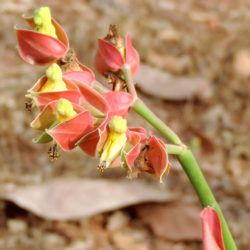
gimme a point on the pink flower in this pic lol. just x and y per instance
(211, 227)
(41, 49)
(111, 58)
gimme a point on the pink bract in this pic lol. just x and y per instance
(211, 230)
(41, 49)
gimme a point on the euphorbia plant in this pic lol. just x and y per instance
(74, 111)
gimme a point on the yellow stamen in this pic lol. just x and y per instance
(54, 80)
(42, 20)
(65, 110)
(115, 142)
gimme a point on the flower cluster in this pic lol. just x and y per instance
(72, 113)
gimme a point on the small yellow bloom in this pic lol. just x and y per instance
(64, 110)
(115, 142)
(54, 80)
(42, 20)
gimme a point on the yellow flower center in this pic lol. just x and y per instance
(42, 20)
(54, 80)
(115, 142)
(64, 110)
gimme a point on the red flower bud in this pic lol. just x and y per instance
(110, 58)
(211, 229)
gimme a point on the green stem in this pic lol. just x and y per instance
(129, 80)
(191, 168)
(175, 149)
(140, 108)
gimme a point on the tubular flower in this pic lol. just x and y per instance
(64, 122)
(211, 230)
(113, 54)
(46, 43)
(115, 141)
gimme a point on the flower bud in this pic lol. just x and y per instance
(211, 230)
(113, 54)
(42, 21)
(54, 80)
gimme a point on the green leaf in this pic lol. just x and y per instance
(43, 138)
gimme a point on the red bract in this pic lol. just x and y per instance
(118, 102)
(115, 103)
(66, 133)
(109, 58)
(91, 96)
(155, 156)
(211, 227)
(41, 49)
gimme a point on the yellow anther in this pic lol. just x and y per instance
(42, 20)
(54, 80)
(64, 110)
(115, 142)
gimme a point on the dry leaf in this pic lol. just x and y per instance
(63, 199)
(160, 84)
(242, 63)
(174, 221)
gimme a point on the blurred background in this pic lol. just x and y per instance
(195, 76)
